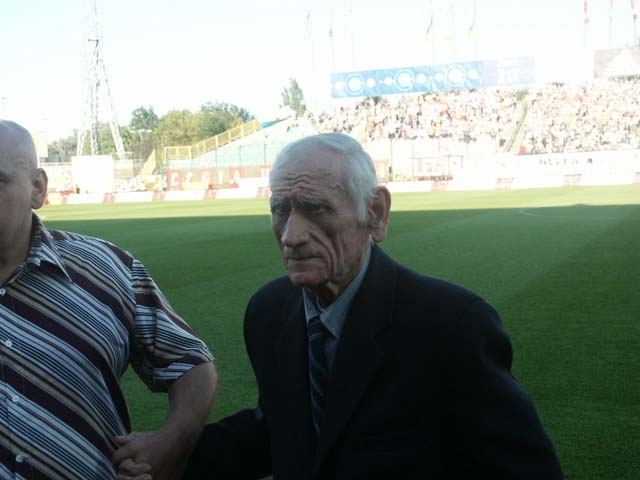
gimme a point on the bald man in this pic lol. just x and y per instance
(75, 312)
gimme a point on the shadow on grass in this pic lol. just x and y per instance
(566, 281)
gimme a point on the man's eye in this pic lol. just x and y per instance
(314, 209)
(280, 209)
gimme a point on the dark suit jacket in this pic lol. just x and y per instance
(421, 388)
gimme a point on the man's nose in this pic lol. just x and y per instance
(295, 231)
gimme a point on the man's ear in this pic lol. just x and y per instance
(39, 189)
(379, 212)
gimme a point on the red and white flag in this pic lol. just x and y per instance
(586, 12)
(610, 11)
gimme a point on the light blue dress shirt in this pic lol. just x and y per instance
(334, 315)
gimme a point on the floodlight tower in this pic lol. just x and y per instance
(95, 80)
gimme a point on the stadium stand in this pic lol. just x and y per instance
(552, 134)
(600, 115)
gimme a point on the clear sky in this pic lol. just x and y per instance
(180, 54)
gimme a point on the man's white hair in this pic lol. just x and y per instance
(360, 179)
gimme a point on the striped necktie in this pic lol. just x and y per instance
(318, 372)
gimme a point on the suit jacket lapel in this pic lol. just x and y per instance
(358, 356)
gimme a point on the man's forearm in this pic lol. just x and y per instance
(191, 399)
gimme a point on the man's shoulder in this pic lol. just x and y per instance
(82, 249)
(413, 288)
(412, 280)
(385, 268)
(75, 237)
(65, 240)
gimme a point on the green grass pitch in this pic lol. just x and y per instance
(562, 266)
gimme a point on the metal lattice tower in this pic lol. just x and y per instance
(95, 82)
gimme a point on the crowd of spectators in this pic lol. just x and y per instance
(601, 115)
(463, 116)
(553, 118)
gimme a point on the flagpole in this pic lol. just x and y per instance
(352, 37)
(475, 29)
(610, 22)
(313, 73)
(428, 34)
(586, 23)
(433, 42)
(332, 42)
(453, 31)
(634, 13)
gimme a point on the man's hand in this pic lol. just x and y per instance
(147, 455)
(164, 454)
(130, 470)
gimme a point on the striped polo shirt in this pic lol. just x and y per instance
(76, 313)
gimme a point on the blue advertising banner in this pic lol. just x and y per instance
(434, 78)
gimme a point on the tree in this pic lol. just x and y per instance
(141, 127)
(177, 127)
(64, 148)
(143, 119)
(147, 131)
(293, 98)
(215, 118)
(106, 143)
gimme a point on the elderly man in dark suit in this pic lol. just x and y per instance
(365, 368)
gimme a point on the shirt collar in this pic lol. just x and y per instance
(334, 315)
(43, 251)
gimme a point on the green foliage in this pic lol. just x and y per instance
(182, 127)
(560, 265)
(215, 118)
(64, 148)
(143, 119)
(106, 144)
(178, 127)
(138, 138)
(293, 98)
(147, 131)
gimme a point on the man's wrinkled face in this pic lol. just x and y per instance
(314, 221)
